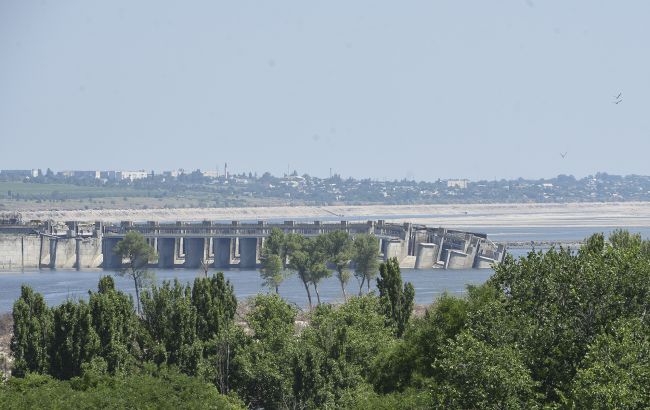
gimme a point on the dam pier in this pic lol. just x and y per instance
(235, 244)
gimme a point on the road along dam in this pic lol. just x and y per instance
(80, 245)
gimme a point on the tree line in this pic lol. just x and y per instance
(311, 258)
(557, 329)
(191, 330)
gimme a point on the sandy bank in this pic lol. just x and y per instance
(461, 215)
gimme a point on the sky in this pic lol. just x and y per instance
(369, 89)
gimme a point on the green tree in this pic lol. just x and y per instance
(74, 340)
(365, 398)
(553, 305)
(135, 248)
(366, 259)
(157, 389)
(615, 372)
(264, 377)
(116, 324)
(621, 238)
(292, 242)
(276, 253)
(396, 300)
(317, 262)
(411, 359)
(216, 305)
(339, 251)
(32, 333)
(170, 318)
(276, 244)
(300, 261)
(337, 351)
(272, 272)
(475, 375)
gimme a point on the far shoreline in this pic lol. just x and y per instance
(534, 215)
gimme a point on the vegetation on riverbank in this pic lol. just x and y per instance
(560, 329)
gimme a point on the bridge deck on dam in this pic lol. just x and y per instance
(259, 230)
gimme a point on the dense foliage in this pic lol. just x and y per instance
(314, 259)
(157, 389)
(560, 329)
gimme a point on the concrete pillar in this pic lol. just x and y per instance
(393, 249)
(65, 253)
(166, 252)
(222, 252)
(247, 253)
(181, 247)
(442, 255)
(209, 248)
(88, 253)
(194, 252)
(77, 252)
(457, 259)
(426, 254)
(44, 256)
(483, 262)
(111, 261)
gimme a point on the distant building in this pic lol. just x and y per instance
(210, 174)
(131, 175)
(19, 173)
(457, 183)
(80, 174)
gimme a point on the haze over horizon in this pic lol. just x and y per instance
(426, 90)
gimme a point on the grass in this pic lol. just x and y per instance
(64, 191)
(34, 197)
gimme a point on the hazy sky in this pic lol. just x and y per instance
(381, 89)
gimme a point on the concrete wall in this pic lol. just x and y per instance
(394, 248)
(19, 251)
(45, 251)
(63, 253)
(482, 262)
(89, 253)
(458, 260)
(426, 255)
(32, 251)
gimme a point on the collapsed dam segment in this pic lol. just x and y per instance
(80, 245)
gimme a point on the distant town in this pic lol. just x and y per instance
(197, 188)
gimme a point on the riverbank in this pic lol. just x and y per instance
(624, 214)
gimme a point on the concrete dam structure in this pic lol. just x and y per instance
(230, 245)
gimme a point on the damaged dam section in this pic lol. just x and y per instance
(82, 245)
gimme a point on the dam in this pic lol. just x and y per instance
(75, 244)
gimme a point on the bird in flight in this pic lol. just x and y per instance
(563, 155)
(618, 98)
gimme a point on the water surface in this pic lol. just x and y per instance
(62, 284)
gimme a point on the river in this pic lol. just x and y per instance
(63, 284)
